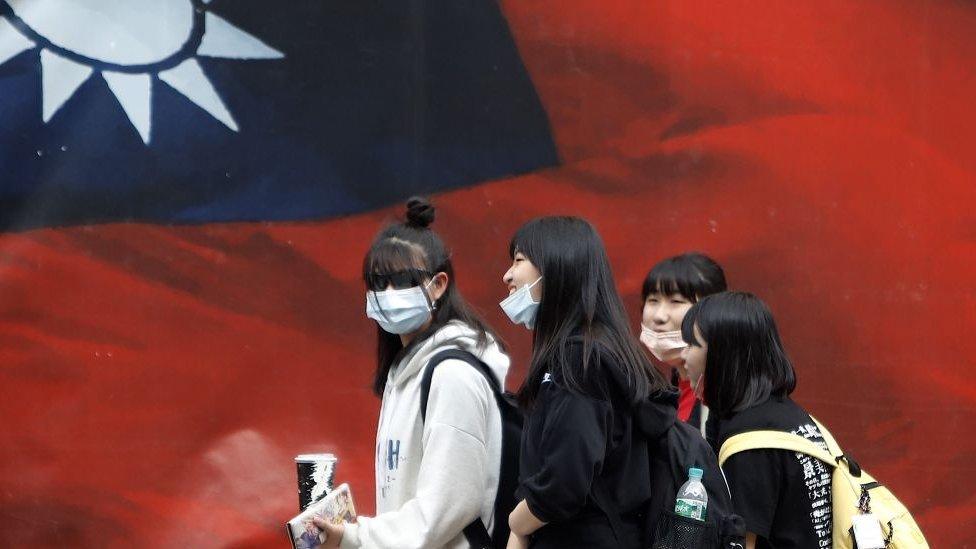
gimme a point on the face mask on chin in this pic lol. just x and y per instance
(399, 311)
(520, 307)
(665, 346)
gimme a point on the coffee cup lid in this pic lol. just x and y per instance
(314, 458)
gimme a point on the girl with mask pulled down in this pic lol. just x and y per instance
(583, 475)
(735, 354)
(670, 289)
(436, 476)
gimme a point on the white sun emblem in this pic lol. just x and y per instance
(126, 42)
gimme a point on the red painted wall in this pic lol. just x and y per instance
(156, 382)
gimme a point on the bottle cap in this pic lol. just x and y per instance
(695, 472)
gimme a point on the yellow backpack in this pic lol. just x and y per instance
(853, 491)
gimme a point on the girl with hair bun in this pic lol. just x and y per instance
(438, 474)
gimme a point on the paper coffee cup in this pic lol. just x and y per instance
(316, 477)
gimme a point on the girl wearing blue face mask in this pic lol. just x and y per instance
(436, 475)
(583, 476)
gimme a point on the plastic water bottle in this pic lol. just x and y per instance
(692, 499)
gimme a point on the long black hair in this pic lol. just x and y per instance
(578, 298)
(692, 275)
(746, 362)
(413, 245)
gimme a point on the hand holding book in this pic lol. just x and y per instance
(332, 532)
(321, 525)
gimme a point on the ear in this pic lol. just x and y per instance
(438, 285)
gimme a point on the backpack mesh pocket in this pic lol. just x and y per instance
(676, 532)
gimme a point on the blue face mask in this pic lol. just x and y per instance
(399, 311)
(520, 307)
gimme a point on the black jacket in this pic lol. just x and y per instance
(576, 442)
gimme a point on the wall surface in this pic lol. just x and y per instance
(157, 377)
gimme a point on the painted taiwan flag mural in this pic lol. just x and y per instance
(187, 189)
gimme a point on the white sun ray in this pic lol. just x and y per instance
(11, 41)
(188, 79)
(60, 78)
(134, 92)
(127, 34)
(223, 39)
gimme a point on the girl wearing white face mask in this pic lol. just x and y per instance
(583, 476)
(436, 475)
(670, 289)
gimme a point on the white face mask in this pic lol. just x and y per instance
(399, 311)
(520, 307)
(665, 346)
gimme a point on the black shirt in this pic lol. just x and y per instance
(783, 496)
(571, 442)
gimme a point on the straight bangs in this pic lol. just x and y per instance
(667, 284)
(692, 276)
(529, 240)
(391, 254)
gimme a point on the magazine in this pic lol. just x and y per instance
(337, 507)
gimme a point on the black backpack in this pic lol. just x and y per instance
(679, 448)
(476, 533)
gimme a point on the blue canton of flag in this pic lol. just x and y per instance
(193, 111)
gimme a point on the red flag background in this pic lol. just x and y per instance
(155, 382)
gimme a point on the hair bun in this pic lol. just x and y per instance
(420, 212)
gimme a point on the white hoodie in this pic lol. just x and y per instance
(433, 478)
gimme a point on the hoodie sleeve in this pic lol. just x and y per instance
(452, 483)
(575, 434)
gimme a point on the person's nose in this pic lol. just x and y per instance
(508, 276)
(660, 314)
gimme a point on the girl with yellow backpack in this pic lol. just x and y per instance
(788, 478)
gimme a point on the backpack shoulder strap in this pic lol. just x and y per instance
(852, 466)
(453, 354)
(778, 440)
(828, 438)
(476, 533)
